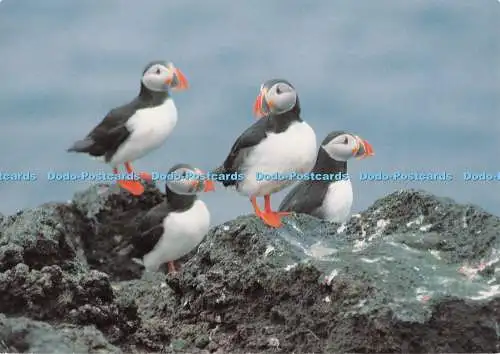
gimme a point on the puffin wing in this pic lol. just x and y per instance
(150, 229)
(251, 137)
(304, 198)
(108, 135)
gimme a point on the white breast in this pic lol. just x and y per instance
(182, 233)
(337, 204)
(291, 151)
(150, 128)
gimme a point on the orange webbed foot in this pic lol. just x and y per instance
(146, 176)
(209, 186)
(133, 187)
(271, 218)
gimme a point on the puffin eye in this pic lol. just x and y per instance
(158, 71)
(346, 140)
(278, 90)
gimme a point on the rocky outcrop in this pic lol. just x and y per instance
(25, 335)
(413, 273)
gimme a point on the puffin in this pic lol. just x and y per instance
(173, 228)
(279, 142)
(129, 132)
(330, 196)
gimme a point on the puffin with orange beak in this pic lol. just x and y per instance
(330, 196)
(176, 226)
(129, 132)
(279, 143)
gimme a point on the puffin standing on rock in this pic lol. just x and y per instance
(173, 228)
(279, 143)
(129, 132)
(329, 199)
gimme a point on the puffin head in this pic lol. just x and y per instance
(276, 96)
(185, 179)
(342, 146)
(160, 76)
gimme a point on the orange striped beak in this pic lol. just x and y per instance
(177, 81)
(258, 106)
(208, 185)
(363, 149)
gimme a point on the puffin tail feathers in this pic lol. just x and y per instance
(81, 146)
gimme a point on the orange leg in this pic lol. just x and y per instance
(144, 175)
(131, 186)
(171, 267)
(268, 209)
(269, 217)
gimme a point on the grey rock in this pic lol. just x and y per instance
(413, 273)
(202, 341)
(43, 236)
(51, 294)
(93, 200)
(23, 335)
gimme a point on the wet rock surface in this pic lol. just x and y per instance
(413, 273)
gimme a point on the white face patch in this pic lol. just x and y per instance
(341, 147)
(185, 181)
(155, 78)
(281, 98)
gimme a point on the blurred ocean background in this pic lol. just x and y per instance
(419, 79)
